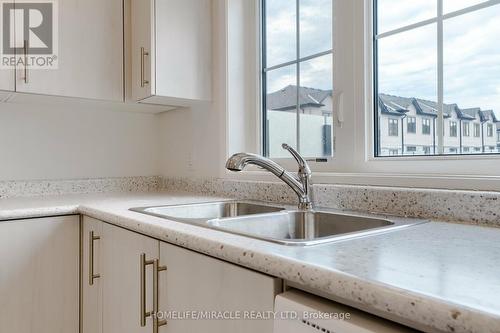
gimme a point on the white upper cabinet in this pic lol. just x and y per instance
(171, 52)
(90, 54)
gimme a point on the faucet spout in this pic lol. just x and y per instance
(300, 183)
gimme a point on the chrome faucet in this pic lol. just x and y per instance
(300, 183)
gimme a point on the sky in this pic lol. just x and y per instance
(408, 60)
(314, 16)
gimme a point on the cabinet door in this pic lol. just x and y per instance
(195, 282)
(183, 49)
(121, 279)
(142, 49)
(91, 277)
(39, 275)
(90, 53)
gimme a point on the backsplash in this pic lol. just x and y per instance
(30, 188)
(472, 207)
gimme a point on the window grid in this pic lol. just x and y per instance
(297, 61)
(411, 125)
(453, 129)
(466, 129)
(393, 127)
(426, 126)
(439, 20)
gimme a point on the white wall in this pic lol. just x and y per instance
(43, 142)
(193, 141)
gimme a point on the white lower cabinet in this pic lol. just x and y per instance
(195, 284)
(139, 276)
(39, 270)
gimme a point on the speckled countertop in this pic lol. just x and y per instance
(435, 277)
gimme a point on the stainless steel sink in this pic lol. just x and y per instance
(276, 224)
(203, 212)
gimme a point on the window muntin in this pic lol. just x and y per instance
(411, 125)
(424, 62)
(393, 127)
(297, 76)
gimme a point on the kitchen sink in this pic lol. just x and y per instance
(203, 212)
(278, 224)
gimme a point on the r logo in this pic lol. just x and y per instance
(27, 21)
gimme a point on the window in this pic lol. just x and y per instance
(297, 77)
(466, 129)
(396, 77)
(477, 130)
(426, 126)
(411, 125)
(490, 130)
(466, 149)
(498, 136)
(411, 149)
(426, 55)
(393, 127)
(453, 129)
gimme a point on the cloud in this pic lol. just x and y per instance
(408, 61)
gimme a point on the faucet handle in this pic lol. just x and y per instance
(303, 166)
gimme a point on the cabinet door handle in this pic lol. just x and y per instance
(92, 276)
(25, 51)
(157, 323)
(144, 313)
(144, 53)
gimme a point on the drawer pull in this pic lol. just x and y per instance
(92, 276)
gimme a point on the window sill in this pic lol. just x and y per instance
(430, 181)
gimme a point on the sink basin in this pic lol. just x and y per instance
(300, 226)
(276, 224)
(203, 212)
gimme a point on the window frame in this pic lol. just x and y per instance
(393, 127)
(466, 128)
(413, 122)
(453, 128)
(489, 130)
(439, 19)
(264, 69)
(477, 130)
(426, 123)
(354, 161)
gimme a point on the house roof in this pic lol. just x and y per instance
(286, 98)
(396, 105)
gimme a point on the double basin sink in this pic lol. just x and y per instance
(276, 223)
